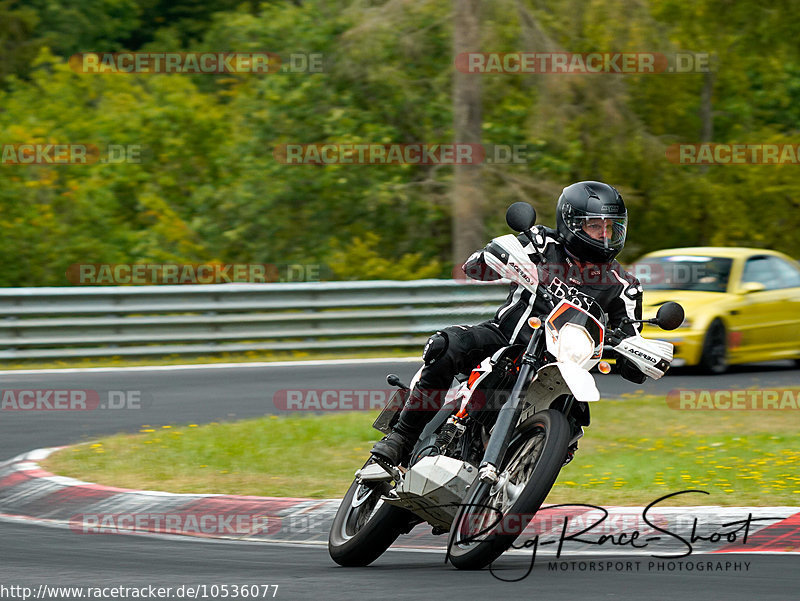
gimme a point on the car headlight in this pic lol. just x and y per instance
(574, 344)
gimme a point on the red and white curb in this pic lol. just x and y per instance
(30, 494)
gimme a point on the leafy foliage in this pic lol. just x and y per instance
(209, 188)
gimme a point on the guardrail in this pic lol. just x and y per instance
(207, 319)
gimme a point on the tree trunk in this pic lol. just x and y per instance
(468, 200)
(706, 135)
(706, 109)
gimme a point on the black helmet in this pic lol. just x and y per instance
(583, 202)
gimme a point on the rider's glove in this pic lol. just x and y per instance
(650, 357)
(630, 372)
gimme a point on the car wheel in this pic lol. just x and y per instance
(714, 359)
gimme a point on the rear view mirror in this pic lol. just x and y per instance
(520, 216)
(750, 287)
(670, 315)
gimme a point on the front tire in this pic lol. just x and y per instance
(364, 526)
(714, 358)
(533, 460)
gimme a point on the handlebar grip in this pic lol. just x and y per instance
(614, 337)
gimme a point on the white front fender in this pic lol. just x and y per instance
(556, 379)
(580, 382)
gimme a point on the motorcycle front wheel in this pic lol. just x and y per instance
(364, 526)
(494, 515)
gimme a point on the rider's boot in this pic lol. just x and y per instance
(395, 448)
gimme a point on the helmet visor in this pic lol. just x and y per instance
(603, 231)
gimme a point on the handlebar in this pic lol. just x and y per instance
(614, 337)
(546, 294)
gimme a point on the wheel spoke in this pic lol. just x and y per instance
(518, 472)
(366, 501)
(504, 494)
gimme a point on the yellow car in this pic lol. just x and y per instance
(742, 304)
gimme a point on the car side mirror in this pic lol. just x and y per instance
(750, 287)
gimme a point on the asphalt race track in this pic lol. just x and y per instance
(36, 554)
(32, 555)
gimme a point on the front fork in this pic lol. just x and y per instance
(509, 413)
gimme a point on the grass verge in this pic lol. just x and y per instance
(636, 450)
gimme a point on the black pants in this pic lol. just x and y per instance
(453, 350)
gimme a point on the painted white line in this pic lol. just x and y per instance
(41, 454)
(67, 481)
(27, 466)
(261, 364)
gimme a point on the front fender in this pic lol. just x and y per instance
(557, 379)
(580, 382)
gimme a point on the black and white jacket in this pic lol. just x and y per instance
(617, 292)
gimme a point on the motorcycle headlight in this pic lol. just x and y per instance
(574, 345)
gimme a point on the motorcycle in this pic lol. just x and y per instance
(484, 465)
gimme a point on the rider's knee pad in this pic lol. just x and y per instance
(435, 348)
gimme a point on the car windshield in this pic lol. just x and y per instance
(684, 272)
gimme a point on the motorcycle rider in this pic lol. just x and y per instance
(579, 262)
